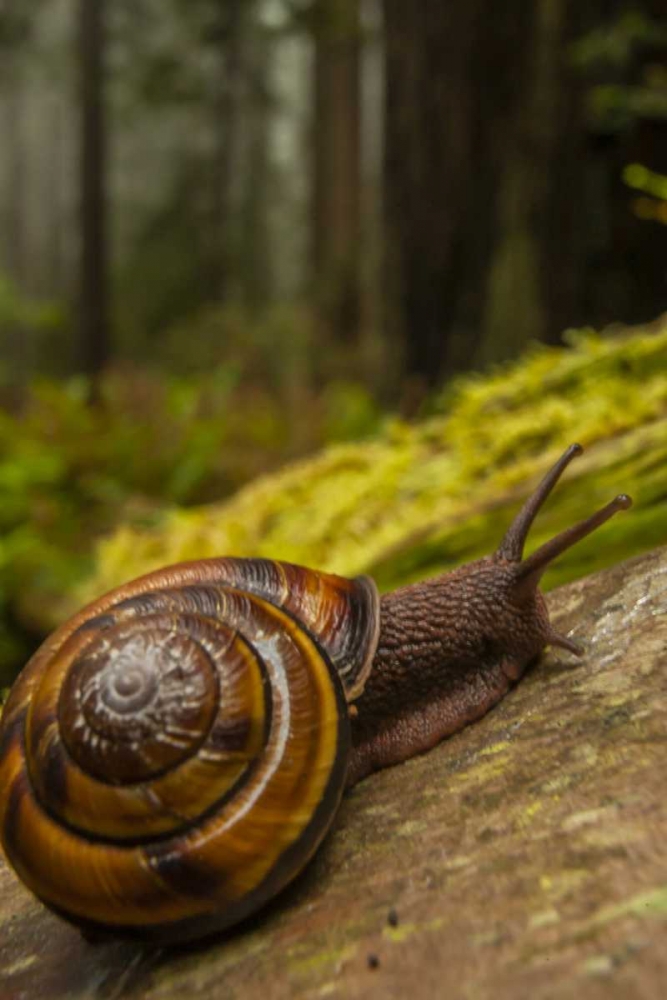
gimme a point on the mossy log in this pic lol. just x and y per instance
(414, 500)
(422, 498)
(526, 856)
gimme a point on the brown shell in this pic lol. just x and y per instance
(172, 756)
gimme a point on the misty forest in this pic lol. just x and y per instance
(320, 280)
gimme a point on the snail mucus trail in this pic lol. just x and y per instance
(173, 755)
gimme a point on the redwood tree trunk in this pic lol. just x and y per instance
(15, 195)
(337, 168)
(94, 344)
(484, 189)
(255, 256)
(233, 16)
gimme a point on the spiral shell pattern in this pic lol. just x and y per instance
(172, 756)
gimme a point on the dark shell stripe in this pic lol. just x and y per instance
(343, 615)
(174, 796)
(293, 859)
(274, 820)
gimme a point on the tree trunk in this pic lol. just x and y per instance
(53, 199)
(255, 243)
(94, 342)
(14, 142)
(227, 109)
(337, 168)
(483, 182)
(13, 341)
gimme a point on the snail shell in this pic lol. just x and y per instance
(172, 756)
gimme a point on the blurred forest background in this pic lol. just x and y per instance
(235, 231)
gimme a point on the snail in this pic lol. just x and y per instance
(173, 755)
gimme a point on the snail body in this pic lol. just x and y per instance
(173, 755)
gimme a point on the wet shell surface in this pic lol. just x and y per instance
(172, 756)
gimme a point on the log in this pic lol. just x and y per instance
(526, 856)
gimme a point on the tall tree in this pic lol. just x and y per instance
(256, 278)
(337, 166)
(484, 191)
(227, 29)
(14, 214)
(94, 328)
(16, 28)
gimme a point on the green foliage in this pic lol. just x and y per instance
(70, 471)
(418, 499)
(35, 324)
(641, 178)
(613, 107)
(654, 186)
(409, 502)
(615, 42)
(627, 76)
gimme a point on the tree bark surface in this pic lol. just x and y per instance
(337, 168)
(526, 856)
(95, 346)
(486, 205)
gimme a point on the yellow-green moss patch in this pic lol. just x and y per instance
(422, 497)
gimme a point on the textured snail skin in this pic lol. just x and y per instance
(472, 621)
(451, 647)
(173, 755)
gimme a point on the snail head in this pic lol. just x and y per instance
(527, 572)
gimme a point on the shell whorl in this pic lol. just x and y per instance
(173, 755)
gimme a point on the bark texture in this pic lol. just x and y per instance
(337, 168)
(484, 191)
(95, 346)
(525, 856)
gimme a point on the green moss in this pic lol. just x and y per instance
(647, 904)
(545, 918)
(420, 498)
(598, 965)
(495, 748)
(405, 931)
(321, 960)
